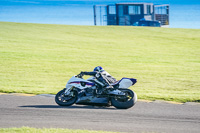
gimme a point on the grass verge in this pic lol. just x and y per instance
(39, 58)
(46, 130)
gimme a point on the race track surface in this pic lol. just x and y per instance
(42, 111)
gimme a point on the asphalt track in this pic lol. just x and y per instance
(42, 111)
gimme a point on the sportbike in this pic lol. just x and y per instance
(93, 92)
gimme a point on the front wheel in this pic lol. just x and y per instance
(66, 100)
(124, 102)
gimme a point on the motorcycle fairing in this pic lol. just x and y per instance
(83, 83)
(78, 83)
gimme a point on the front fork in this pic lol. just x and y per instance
(68, 91)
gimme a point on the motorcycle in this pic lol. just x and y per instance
(93, 92)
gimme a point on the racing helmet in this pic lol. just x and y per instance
(98, 69)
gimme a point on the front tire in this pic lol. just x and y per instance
(63, 100)
(124, 102)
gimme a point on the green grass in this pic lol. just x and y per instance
(46, 130)
(39, 58)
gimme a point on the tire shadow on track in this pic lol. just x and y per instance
(68, 107)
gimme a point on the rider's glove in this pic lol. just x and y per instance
(82, 73)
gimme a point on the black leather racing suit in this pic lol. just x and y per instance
(104, 77)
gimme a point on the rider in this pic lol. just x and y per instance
(102, 76)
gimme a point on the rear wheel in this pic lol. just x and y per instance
(66, 100)
(126, 101)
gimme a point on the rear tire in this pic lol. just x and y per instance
(126, 102)
(63, 100)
